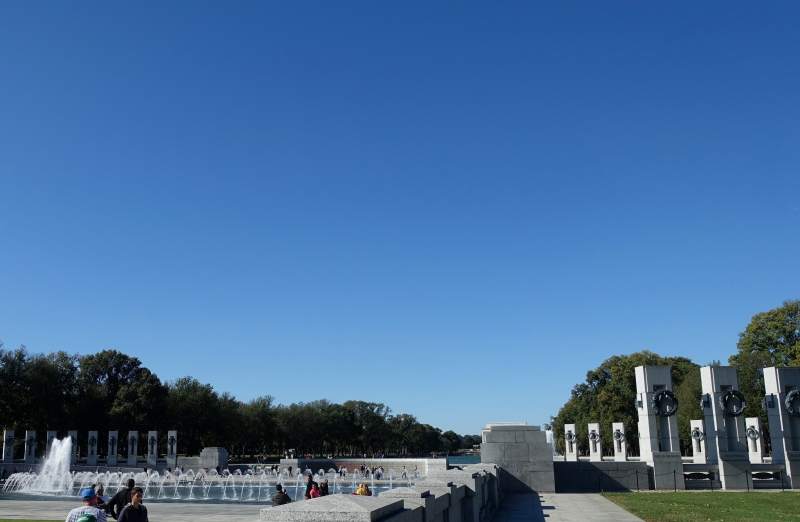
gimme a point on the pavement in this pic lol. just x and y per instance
(515, 507)
(561, 507)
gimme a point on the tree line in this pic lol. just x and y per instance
(113, 391)
(609, 393)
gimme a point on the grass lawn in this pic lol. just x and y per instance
(696, 506)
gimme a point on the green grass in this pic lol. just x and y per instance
(696, 506)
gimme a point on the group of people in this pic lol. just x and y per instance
(125, 506)
(314, 490)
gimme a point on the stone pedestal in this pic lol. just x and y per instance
(595, 443)
(212, 457)
(570, 443)
(91, 449)
(668, 470)
(152, 449)
(784, 428)
(172, 449)
(133, 448)
(113, 448)
(698, 434)
(755, 439)
(52, 435)
(725, 429)
(30, 447)
(620, 442)
(523, 454)
(73, 438)
(8, 446)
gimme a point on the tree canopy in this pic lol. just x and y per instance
(113, 391)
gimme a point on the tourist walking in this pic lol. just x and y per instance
(135, 511)
(88, 497)
(280, 498)
(121, 499)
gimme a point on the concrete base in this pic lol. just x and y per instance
(734, 470)
(667, 471)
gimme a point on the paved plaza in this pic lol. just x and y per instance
(516, 507)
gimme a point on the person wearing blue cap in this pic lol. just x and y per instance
(89, 499)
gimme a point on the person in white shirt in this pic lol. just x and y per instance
(88, 497)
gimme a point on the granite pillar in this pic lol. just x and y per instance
(133, 448)
(152, 449)
(113, 448)
(30, 446)
(8, 446)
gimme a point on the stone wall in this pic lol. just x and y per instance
(469, 495)
(425, 466)
(588, 477)
(523, 454)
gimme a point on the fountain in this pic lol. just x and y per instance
(54, 479)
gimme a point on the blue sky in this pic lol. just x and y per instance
(453, 208)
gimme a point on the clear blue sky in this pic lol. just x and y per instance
(453, 208)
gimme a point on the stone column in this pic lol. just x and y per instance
(595, 443)
(52, 435)
(133, 448)
(30, 446)
(620, 443)
(570, 443)
(658, 426)
(8, 446)
(91, 447)
(755, 440)
(172, 449)
(784, 426)
(113, 448)
(725, 430)
(698, 433)
(152, 449)
(73, 437)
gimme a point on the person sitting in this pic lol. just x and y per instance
(362, 490)
(314, 493)
(280, 498)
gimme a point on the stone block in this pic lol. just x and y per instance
(492, 452)
(516, 452)
(531, 436)
(509, 426)
(339, 508)
(501, 436)
(542, 481)
(537, 452)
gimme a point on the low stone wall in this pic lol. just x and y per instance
(469, 495)
(586, 477)
(425, 466)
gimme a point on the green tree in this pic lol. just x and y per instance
(193, 408)
(609, 395)
(771, 339)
